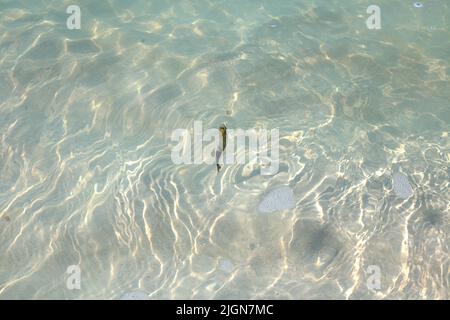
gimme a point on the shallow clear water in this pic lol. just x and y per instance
(86, 176)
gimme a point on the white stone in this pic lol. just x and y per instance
(135, 295)
(279, 198)
(402, 187)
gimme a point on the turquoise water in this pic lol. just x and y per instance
(87, 179)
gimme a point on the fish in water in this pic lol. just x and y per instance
(222, 145)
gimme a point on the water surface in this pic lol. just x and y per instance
(86, 176)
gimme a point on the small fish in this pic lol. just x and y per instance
(222, 145)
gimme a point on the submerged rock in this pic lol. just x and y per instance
(226, 266)
(277, 199)
(135, 295)
(402, 187)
